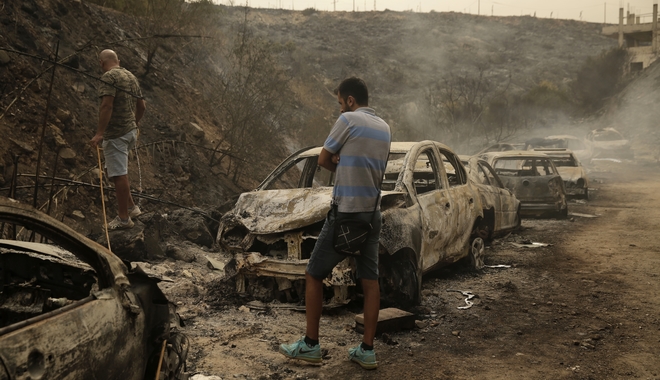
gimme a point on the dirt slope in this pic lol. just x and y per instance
(635, 113)
(397, 53)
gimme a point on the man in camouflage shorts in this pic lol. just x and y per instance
(122, 107)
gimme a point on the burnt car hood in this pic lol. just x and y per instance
(274, 211)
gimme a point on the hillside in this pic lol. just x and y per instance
(635, 113)
(399, 55)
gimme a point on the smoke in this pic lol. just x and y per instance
(635, 114)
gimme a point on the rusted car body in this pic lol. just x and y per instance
(534, 179)
(609, 143)
(576, 181)
(70, 309)
(582, 149)
(428, 222)
(501, 208)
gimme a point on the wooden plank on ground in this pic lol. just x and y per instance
(390, 319)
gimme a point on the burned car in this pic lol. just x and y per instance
(70, 309)
(609, 143)
(501, 208)
(429, 221)
(576, 181)
(583, 149)
(534, 179)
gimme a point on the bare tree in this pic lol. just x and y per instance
(456, 105)
(251, 95)
(467, 109)
(159, 19)
(173, 17)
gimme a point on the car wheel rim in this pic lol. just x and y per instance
(477, 252)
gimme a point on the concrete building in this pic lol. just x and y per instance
(640, 39)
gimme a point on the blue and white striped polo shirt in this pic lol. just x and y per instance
(362, 140)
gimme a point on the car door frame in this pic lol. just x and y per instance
(462, 199)
(508, 210)
(427, 205)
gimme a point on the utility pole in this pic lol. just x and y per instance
(374, 5)
(605, 13)
(492, 8)
(353, 5)
(478, 7)
(334, 5)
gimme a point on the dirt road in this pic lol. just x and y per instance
(587, 307)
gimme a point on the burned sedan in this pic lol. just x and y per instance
(70, 309)
(501, 208)
(534, 179)
(429, 221)
(582, 149)
(570, 169)
(610, 143)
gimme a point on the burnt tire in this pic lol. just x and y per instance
(173, 363)
(477, 253)
(399, 282)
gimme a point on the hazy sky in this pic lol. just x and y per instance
(587, 10)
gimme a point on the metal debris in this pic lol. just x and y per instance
(214, 264)
(531, 245)
(468, 294)
(497, 266)
(583, 215)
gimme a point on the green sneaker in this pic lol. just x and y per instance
(365, 358)
(302, 351)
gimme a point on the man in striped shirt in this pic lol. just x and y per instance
(356, 150)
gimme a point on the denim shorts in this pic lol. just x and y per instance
(324, 257)
(115, 152)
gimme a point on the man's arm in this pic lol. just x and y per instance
(105, 113)
(140, 107)
(328, 160)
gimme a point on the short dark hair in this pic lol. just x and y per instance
(354, 87)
